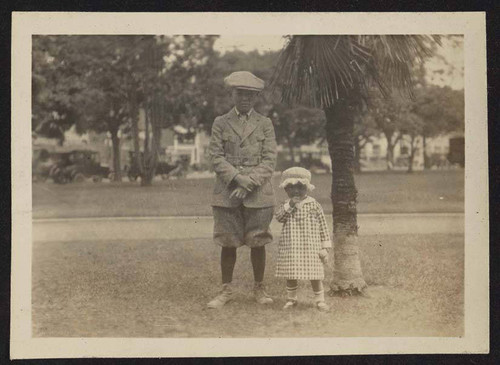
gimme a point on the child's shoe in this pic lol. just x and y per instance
(290, 304)
(224, 297)
(260, 295)
(322, 306)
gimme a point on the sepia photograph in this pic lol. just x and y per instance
(219, 187)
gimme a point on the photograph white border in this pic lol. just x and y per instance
(471, 24)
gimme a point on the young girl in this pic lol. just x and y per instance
(304, 242)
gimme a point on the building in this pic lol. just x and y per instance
(373, 156)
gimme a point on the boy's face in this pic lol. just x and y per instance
(296, 190)
(244, 99)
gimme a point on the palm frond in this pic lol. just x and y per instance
(318, 70)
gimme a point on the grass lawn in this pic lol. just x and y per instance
(379, 192)
(160, 289)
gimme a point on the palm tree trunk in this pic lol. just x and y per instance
(347, 275)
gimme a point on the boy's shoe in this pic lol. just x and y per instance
(290, 304)
(322, 306)
(224, 297)
(260, 295)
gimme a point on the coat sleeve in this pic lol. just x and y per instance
(284, 212)
(224, 170)
(264, 170)
(323, 228)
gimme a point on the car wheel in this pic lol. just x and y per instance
(79, 177)
(54, 171)
(60, 179)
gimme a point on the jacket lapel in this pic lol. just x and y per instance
(235, 123)
(250, 125)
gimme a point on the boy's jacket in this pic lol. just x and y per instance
(248, 149)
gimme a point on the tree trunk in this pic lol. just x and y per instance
(115, 141)
(390, 152)
(134, 106)
(411, 157)
(147, 172)
(153, 119)
(347, 274)
(426, 159)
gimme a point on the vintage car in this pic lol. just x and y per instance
(163, 169)
(78, 165)
(41, 164)
(457, 151)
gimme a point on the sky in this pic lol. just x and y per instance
(249, 43)
(453, 55)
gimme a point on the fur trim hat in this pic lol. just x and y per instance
(295, 175)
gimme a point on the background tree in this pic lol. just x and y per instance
(59, 95)
(411, 127)
(296, 126)
(387, 113)
(365, 129)
(176, 72)
(335, 73)
(101, 83)
(441, 110)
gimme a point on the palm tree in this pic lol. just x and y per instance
(337, 73)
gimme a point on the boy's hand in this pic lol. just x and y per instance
(323, 255)
(239, 193)
(245, 182)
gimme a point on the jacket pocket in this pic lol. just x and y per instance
(253, 144)
(229, 142)
(267, 188)
(219, 186)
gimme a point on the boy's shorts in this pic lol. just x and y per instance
(235, 227)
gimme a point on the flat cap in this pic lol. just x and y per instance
(244, 80)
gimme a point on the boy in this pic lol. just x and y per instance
(243, 153)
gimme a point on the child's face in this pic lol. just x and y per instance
(296, 190)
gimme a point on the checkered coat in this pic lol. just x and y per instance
(303, 235)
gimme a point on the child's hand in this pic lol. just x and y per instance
(294, 201)
(323, 255)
